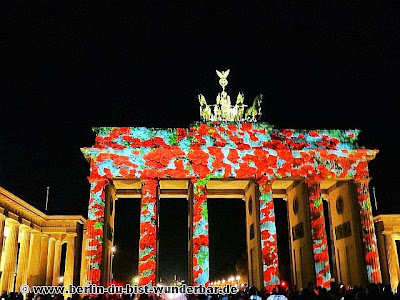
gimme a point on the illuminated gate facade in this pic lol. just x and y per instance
(230, 154)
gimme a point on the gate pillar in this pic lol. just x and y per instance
(148, 242)
(368, 233)
(318, 235)
(253, 237)
(269, 246)
(95, 230)
(198, 230)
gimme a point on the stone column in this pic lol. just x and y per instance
(269, 245)
(44, 248)
(318, 235)
(190, 232)
(2, 223)
(57, 261)
(368, 233)
(7, 278)
(34, 258)
(83, 261)
(50, 261)
(69, 262)
(95, 230)
(200, 242)
(23, 259)
(393, 262)
(148, 251)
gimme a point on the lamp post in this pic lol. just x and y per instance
(113, 250)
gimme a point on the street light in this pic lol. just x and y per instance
(238, 278)
(113, 250)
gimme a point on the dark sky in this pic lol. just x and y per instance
(72, 65)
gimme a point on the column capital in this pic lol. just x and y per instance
(104, 180)
(25, 228)
(264, 180)
(146, 181)
(26, 222)
(312, 181)
(69, 237)
(195, 180)
(36, 232)
(200, 182)
(45, 235)
(387, 233)
(12, 222)
(362, 180)
(11, 215)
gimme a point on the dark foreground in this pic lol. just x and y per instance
(373, 291)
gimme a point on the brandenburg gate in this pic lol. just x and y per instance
(229, 154)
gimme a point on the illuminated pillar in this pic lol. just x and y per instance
(368, 233)
(200, 247)
(69, 261)
(23, 259)
(83, 276)
(34, 259)
(269, 246)
(11, 247)
(50, 261)
(44, 248)
(2, 222)
(95, 230)
(318, 235)
(393, 260)
(57, 261)
(148, 252)
(190, 231)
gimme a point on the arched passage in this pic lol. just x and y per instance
(227, 223)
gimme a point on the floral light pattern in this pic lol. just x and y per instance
(224, 150)
(200, 233)
(94, 231)
(269, 246)
(318, 234)
(368, 233)
(148, 233)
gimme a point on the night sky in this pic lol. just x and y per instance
(69, 66)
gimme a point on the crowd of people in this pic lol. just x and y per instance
(311, 292)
